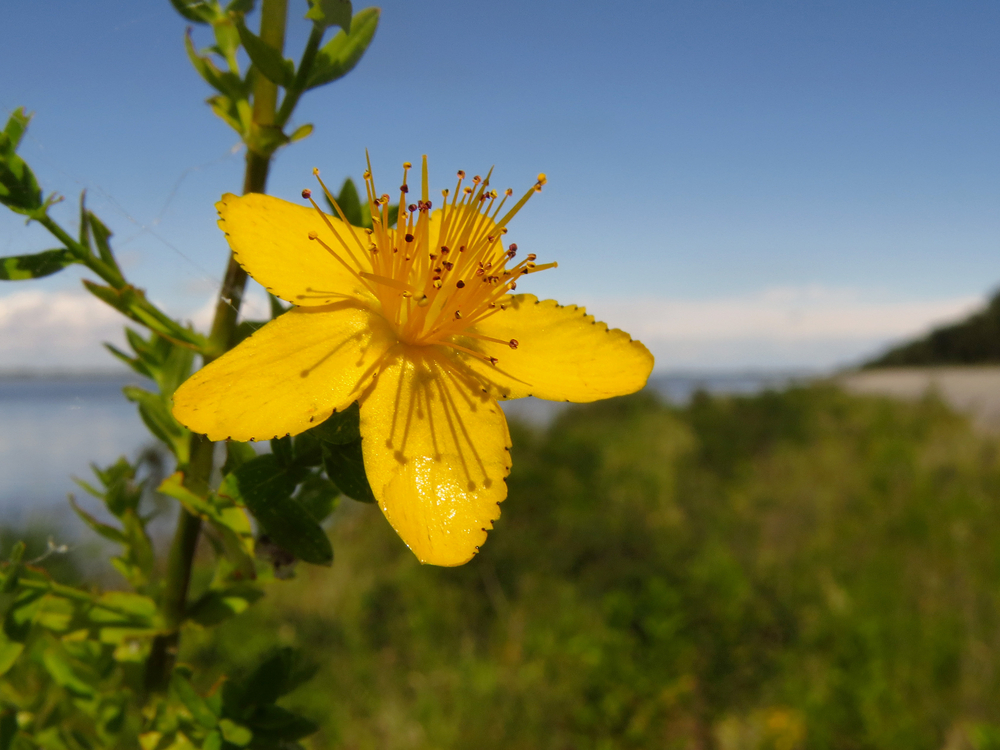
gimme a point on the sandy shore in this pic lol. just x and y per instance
(971, 390)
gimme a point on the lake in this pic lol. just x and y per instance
(52, 428)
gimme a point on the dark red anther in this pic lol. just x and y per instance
(404, 188)
(512, 247)
(408, 237)
(307, 193)
(460, 284)
(411, 208)
(493, 360)
(513, 343)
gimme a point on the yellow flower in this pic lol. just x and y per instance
(417, 323)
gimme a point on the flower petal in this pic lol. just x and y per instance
(562, 353)
(288, 376)
(436, 451)
(270, 239)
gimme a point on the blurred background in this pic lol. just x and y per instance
(765, 549)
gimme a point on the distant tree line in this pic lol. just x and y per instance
(973, 341)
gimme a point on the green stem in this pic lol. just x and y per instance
(159, 666)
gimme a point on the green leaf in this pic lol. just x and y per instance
(268, 60)
(103, 529)
(345, 466)
(157, 417)
(230, 521)
(338, 57)
(318, 495)
(121, 492)
(131, 302)
(301, 132)
(218, 605)
(341, 427)
(281, 449)
(330, 13)
(46, 263)
(102, 237)
(226, 83)
(276, 723)
(9, 651)
(137, 365)
(19, 189)
(235, 733)
(129, 608)
(266, 488)
(62, 672)
(198, 11)
(279, 674)
(194, 703)
(15, 127)
(240, 6)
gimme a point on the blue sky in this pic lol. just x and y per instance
(764, 184)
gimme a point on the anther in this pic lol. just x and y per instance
(307, 193)
(476, 180)
(508, 192)
(407, 165)
(444, 250)
(411, 208)
(315, 171)
(468, 190)
(532, 256)
(460, 284)
(461, 174)
(458, 315)
(513, 343)
(492, 360)
(313, 235)
(404, 188)
(512, 247)
(408, 238)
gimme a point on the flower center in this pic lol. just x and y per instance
(436, 274)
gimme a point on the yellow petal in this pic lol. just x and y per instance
(289, 376)
(436, 452)
(562, 353)
(270, 239)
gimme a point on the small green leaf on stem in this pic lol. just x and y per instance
(345, 466)
(338, 57)
(197, 11)
(266, 487)
(269, 61)
(19, 189)
(330, 13)
(46, 263)
(301, 132)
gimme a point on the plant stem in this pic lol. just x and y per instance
(159, 666)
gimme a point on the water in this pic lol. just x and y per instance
(51, 429)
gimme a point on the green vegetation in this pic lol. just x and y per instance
(806, 569)
(973, 341)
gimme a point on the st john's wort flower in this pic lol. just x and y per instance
(418, 323)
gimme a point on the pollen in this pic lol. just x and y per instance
(425, 297)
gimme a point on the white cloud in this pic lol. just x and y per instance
(41, 329)
(816, 327)
(811, 326)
